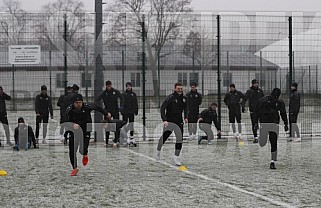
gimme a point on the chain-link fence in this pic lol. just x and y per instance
(206, 48)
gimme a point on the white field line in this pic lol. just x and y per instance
(265, 198)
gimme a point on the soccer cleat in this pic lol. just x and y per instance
(297, 139)
(272, 165)
(85, 160)
(209, 142)
(157, 156)
(177, 160)
(62, 139)
(74, 172)
(191, 137)
(199, 140)
(9, 143)
(44, 141)
(255, 141)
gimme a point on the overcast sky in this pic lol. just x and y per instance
(217, 5)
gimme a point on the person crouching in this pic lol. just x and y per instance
(24, 136)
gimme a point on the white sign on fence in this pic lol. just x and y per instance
(24, 54)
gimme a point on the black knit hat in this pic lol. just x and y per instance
(69, 88)
(43, 87)
(129, 84)
(276, 92)
(254, 81)
(21, 120)
(75, 87)
(232, 85)
(78, 97)
(294, 85)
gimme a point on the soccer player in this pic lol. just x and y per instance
(129, 109)
(206, 118)
(171, 113)
(43, 106)
(194, 100)
(24, 136)
(254, 94)
(267, 112)
(233, 101)
(294, 109)
(79, 114)
(112, 99)
(63, 106)
(3, 115)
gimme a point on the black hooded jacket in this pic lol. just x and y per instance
(129, 104)
(294, 104)
(253, 95)
(194, 100)
(173, 107)
(3, 98)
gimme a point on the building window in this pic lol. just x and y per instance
(227, 79)
(182, 78)
(86, 81)
(60, 81)
(135, 79)
(193, 77)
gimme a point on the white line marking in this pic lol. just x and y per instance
(265, 198)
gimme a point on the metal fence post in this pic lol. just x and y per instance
(290, 53)
(144, 76)
(219, 68)
(65, 52)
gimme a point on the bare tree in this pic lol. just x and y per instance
(12, 23)
(52, 22)
(164, 20)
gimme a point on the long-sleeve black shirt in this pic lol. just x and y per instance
(173, 107)
(233, 100)
(209, 116)
(23, 132)
(82, 117)
(3, 98)
(129, 104)
(43, 105)
(268, 110)
(294, 104)
(110, 99)
(253, 95)
(194, 100)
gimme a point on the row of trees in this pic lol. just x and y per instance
(168, 22)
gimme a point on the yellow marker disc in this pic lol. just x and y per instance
(3, 173)
(182, 168)
(242, 143)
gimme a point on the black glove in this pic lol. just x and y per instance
(286, 128)
(243, 110)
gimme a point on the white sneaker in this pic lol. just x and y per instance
(191, 137)
(157, 156)
(61, 138)
(209, 142)
(44, 141)
(235, 135)
(297, 139)
(177, 160)
(239, 136)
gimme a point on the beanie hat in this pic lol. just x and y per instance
(21, 120)
(43, 87)
(276, 92)
(78, 97)
(75, 87)
(254, 81)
